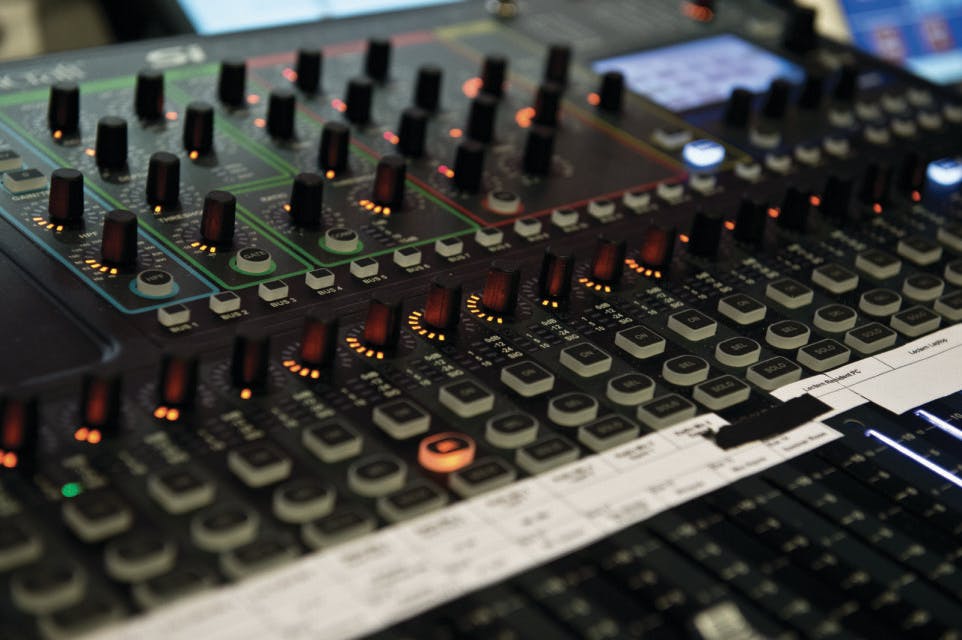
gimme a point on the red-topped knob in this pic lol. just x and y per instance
(442, 310)
(118, 246)
(554, 281)
(608, 261)
(250, 364)
(177, 386)
(657, 246)
(100, 404)
(500, 293)
(318, 341)
(382, 326)
(19, 428)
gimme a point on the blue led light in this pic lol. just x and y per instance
(703, 154)
(946, 172)
(922, 460)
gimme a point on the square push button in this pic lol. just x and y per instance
(607, 432)
(835, 318)
(742, 309)
(920, 250)
(546, 454)
(630, 389)
(407, 257)
(721, 393)
(401, 419)
(180, 490)
(377, 475)
(916, 321)
(692, 325)
(527, 379)
(665, 411)
(870, 338)
(96, 516)
(332, 441)
(511, 430)
(342, 525)
(225, 302)
(484, 475)
(773, 373)
(789, 293)
(572, 409)
(950, 306)
(271, 291)
(685, 371)
(878, 264)
(173, 315)
(880, 302)
(449, 247)
(585, 359)
(738, 352)
(835, 278)
(787, 334)
(823, 355)
(259, 464)
(466, 398)
(364, 268)
(24, 180)
(923, 287)
(319, 279)
(489, 236)
(419, 498)
(640, 342)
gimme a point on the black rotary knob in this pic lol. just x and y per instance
(199, 129)
(500, 293)
(19, 433)
(100, 407)
(738, 110)
(66, 203)
(427, 88)
(111, 145)
(377, 62)
(481, 118)
(557, 64)
(442, 309)
(63, 110)
(750, 222)
(494, 71)
(608, 261)
(876, 181)
(776, 101)
(539, 151)
(231, 83)
(911, 176)
(318, 347)
(333, 151)
(149, 95)
(388, 190)
(813, 89)
(705, 234)
(412, 131)
(547, 103)
(250, 364)
(837, 198)
(469, 166)
(793, 214)
(308, 70)
(118, 244)
(163, 180)
(611, 94)
(280, 114)
(358, 100)
(554, 280)
(382, 325)
(657, 246)
(799, 34)
(177, 384)
(307, 200)
(218, 219)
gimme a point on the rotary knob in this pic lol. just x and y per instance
(231, 83)
(308, 70)
(111, 145)
(427, 88)
(307, 200)
(554, 280)
(19, 433)
(657, 246)
(66, 203)
(100, 408)
(611, 94)
(442, 310)
(118, 246)
(177, 385)
(318, 347)
(218, 219)
(738, 110)
(250, 364)
(705, 234)
(793, 213)
(494, 71)
(199, 129)
(63, 110)
(388, 189)
(281, 107)
(163, 180)
(539, 151)
(469, 166)
(608, 261)
(377, 62)
(750, 222)
(557, 63)
(382, 325)
(481, 118)
(149, 95)
(500, 293)
(547, 103)
(360, 92)
(333, 151)
(412, 131)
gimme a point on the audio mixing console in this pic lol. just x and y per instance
(492, 320)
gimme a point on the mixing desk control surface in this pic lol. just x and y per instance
(600, 320)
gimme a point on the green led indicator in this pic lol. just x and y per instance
(71, 490)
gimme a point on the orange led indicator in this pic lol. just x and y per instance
(524, 117)
(58, 134)
(455, 133)
(9, 460)
(594, 99)
(339, 105)
(446, 452)
(90, 152)
(171, 115)
(290, 74)
(876, 208)
(193, 155)
(916, 196)
(683, 237)
(472, 87)
(260, 122)
(246, 394)
(774, 212)
(730, 225)
(330, 174)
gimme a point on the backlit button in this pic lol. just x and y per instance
(419, 498)
(607, 432)
(823, 355)
(773, 373)
(259, 464)
(341, 240)
(878, 264)
(835, 278)
(742, 309)
(737, 352)
(546, 454)
(489, 236)
(47, 587)
(446, 452)
(835, 318)
(870, 338)
(505, 203)
(256, 556)
(401, 419)
(339, 527)
(511, 430)
(685, 371)
(950, 306)
(527, 378)
(787, 334)
(407, 257)
(466, 398)
(376, 475)
(224, 302)
(630, 389)
(923, 287)
(527, 227)
(564, 218)
(880, 302)
(332, 441)
(180, 489)
(253, 261)
(449, 247)
(572, 409)
(364, 268)
(319, 279)
(482, 476)
(224, 527)
(919, 250)
(721, 393)
(692, 325)
(303, 500)
(585, 359)
(916, 321)
(18, 545)
(155, 283)
(789, 293)
(640, 342)
(138, 557)
(177, 583)
(601, 209)
(666, 410)
(273, 290)
(97, 515)
(173, 315)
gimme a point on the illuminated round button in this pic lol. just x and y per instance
(155, 283)
(254, 260)
(504, 203)
(341, 240)
(446, 452)
(946, 172)
(703, 154)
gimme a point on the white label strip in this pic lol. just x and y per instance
(898, 380)
(408, 568)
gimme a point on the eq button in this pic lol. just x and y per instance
(341, 240)
(155, 283)
(253, 261)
